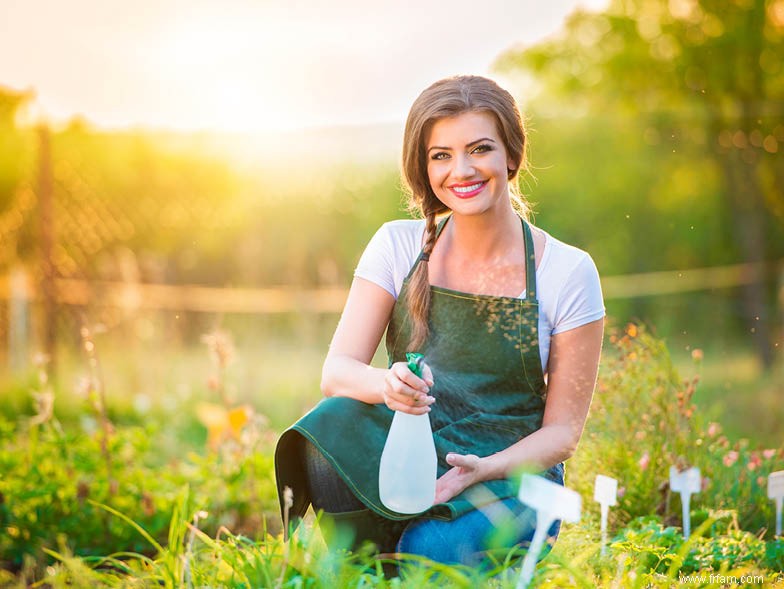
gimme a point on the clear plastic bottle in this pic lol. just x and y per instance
(407, 474)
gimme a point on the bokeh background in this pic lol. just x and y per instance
(170, 170)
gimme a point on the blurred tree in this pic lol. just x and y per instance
(710, 74)
(15, 163)
(10, 143)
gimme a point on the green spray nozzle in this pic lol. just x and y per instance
(415, 363)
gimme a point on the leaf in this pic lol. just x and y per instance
(223, 424)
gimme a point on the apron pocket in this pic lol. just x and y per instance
(483, 434)
(516, 426)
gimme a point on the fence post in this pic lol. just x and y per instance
(18, 320)
(46, 228)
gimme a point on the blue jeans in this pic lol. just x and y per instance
(471, 538)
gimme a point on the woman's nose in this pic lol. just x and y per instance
(464, 167)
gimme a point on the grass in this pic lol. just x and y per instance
(734, 390)
(194, 559)
(152, 395)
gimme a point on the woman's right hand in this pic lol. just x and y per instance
(405, 391)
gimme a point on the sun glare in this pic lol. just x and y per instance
(223, 78)
(244, 66)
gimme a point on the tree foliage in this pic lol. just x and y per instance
(705, 79)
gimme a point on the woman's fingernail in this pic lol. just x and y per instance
(430, 400)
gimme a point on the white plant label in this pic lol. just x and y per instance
(605, 492)
(776, 492)
(776, 484)
(551, 502)
(686, 483)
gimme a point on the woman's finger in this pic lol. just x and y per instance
(404, 374)
(405, 408)
(418, 403)
(398, 383)
(427, 376)
(467, 461)
(398, 396)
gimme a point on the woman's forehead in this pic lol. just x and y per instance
(463, 128)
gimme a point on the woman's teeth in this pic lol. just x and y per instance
(468, 188)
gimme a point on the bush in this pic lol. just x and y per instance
(52, 481)
(643, 421)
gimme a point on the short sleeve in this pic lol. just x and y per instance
(391, 253)
(377, 261)
(580, 300)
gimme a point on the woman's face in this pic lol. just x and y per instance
(467, 163)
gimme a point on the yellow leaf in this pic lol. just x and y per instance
(238, 417)
(221, 423)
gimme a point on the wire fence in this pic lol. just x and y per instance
(61, 222)
(134, 296)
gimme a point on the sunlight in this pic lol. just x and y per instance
(224, 76)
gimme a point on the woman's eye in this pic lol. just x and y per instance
(439, 155)
(483, 148)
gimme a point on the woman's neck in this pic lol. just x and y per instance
(484, 238)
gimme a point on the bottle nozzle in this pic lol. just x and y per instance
(416, 362)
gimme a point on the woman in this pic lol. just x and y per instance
(509, 319)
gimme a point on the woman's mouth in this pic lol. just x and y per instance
(467, 190)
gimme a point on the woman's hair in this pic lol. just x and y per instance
(448, 98)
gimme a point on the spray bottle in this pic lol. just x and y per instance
(407, 474)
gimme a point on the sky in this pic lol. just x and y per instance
(254, 65)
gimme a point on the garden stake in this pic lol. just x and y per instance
(551, 502)
(776, 492)
(605, 492)
(686, 483)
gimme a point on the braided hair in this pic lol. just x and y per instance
(443, 99)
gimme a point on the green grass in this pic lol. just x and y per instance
(735, 391)
(72, 519)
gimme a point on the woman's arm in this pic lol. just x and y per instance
(347, 371)
(573, 366)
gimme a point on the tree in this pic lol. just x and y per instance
(710, 72)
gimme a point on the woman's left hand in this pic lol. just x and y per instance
(465, 471)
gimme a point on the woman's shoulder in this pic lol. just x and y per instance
(562, 248)
(396, 240)
(562, 258)
(404, 227)
(390, 253)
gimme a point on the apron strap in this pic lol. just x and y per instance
(530, 263)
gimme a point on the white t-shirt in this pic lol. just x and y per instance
(567, 282)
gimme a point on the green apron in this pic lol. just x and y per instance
(489, 389)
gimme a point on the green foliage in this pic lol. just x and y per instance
(675, 108)
(150, 516)
(53, 482)
(643, 421)
(640, 424)
(658, 548)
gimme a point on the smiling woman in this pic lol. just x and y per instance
(509, 320)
